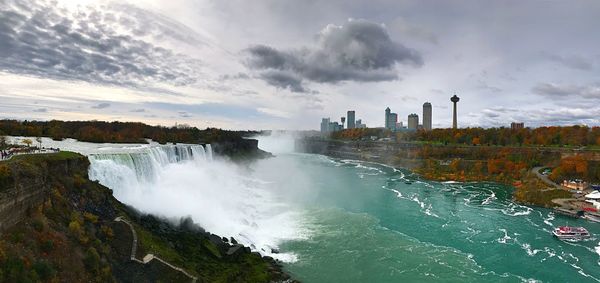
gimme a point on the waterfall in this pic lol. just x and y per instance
(120, 171)
(209, 150)
(183, 180)
(177, 181)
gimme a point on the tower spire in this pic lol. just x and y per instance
(454, 100)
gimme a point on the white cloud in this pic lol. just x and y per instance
(190, 54)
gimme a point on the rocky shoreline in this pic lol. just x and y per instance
(529, 190)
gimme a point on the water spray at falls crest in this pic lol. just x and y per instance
(183, 180)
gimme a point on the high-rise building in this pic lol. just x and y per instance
(427, 116)
(387, 117)
(517, 126)
(351, 123)
(343, 120)
(413, 121)
(393, 119)
(325, 125)
(360, 125)
(390, 119)
(332, 127)
(454, 100)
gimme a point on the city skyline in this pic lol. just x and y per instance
(391, 121)
(273, 65)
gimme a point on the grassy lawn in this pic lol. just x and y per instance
(61, 155)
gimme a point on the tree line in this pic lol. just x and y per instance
(117, 132)
(542, 136)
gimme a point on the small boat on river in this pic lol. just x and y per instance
(571, 233)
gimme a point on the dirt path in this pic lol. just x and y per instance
(544, 178)
(149, 257)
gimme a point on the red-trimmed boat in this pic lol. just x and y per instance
(571, 233)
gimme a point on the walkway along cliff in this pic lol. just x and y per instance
(56, 224)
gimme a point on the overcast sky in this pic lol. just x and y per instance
(276, 64)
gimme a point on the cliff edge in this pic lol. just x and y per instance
(57, 225)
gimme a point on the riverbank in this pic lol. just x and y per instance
(377, 223)
(505, 165)
(58, 225)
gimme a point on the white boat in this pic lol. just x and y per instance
(592, 217)
(571, 233)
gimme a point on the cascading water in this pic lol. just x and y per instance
(145, 163)
(183, 180)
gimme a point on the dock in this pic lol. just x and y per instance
(568, 212)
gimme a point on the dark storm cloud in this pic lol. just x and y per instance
(563, 90)
(357, 51)
(101, 105)
(45, 41)
(283, 79)
(41, 110)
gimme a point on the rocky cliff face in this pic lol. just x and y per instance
(394, 154)
(240, 149)
(58, 226)
(24, 187)
(508, 165)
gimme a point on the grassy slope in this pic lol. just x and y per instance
(71, 236)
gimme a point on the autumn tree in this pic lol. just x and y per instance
(27, 142)
(3, 141)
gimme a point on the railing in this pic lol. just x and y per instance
(149, 257)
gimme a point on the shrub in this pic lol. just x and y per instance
(107, 231)
(74, 227)
(79, 181)
(90, 217)
(5, 175)
(44, 270)
(38, 225)
(47, 246)
(92, 260)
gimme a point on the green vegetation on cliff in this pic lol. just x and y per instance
(477, 163)
(567, 136)
(67, 233)
(117, 132)
(509, 165)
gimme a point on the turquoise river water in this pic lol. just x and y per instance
(348, 221)
(374, 223)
